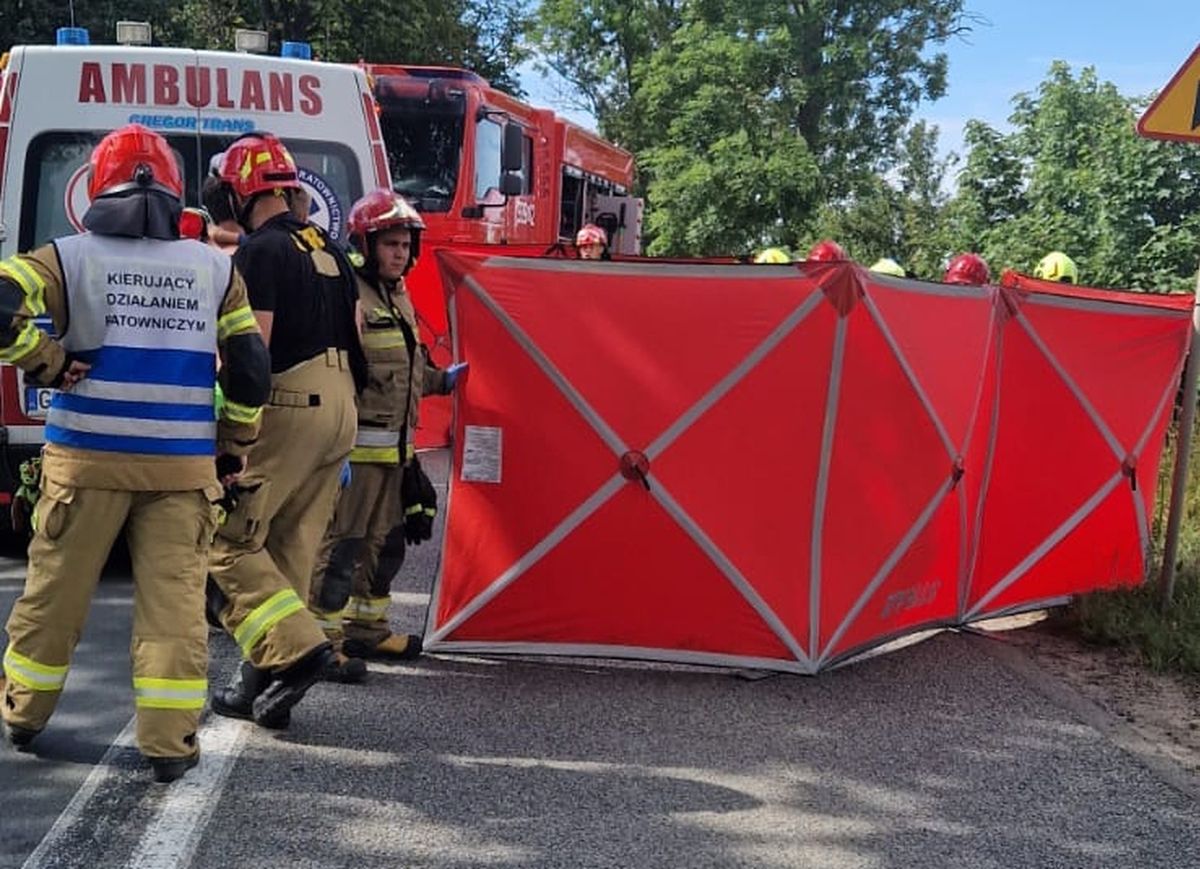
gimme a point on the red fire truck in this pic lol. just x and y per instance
(486, 169)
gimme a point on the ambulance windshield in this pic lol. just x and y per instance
(424, 147)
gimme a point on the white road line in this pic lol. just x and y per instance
(171, 838)
(46, 853)
(182, 812)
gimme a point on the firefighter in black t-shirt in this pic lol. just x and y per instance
(303, 293)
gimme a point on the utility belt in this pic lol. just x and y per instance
(302, 374)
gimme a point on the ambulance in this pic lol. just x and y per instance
(56, 102)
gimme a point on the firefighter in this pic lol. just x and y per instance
(302, 290)
(967, 269)
(1057, 266)
(388, 496)
(827, 251)
(130, 437)
(592, 242)
(887, 266)
(773, 255)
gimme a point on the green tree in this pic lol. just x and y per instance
(596, 45)
(35, 21)
(898, 215)
(1073, 176)
(728, 175)
(800, 102)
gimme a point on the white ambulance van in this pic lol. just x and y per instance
(57, 101)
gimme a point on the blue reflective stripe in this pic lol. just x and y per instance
(133, 409)
(122, 444)
(140, 365)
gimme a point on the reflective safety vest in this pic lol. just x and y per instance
(144, 314)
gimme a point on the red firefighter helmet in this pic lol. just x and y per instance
(379, 210)
(589, 233)
(133, 158)
(258, 163)
(967, 268)
(827, 251)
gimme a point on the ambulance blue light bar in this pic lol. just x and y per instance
(298, 50)
(72, 36)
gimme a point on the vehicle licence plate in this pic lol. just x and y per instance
(37, 401)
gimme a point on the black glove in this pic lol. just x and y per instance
(228, 465)
(418, 499)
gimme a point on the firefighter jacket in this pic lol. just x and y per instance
(150, 317)
(399, 373)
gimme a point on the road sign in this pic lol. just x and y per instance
(1175, 114)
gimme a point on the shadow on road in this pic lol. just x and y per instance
(934, 756)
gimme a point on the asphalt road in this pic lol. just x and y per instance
(941, 754)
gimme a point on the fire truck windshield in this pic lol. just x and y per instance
(424, 147)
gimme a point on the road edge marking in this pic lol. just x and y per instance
(1118, 732)
(44, 854)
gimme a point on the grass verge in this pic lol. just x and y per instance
(1133, 619)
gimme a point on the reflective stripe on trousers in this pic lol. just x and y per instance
(265, 616)
(368, 609)
(154, 693)
(330, 622)
(34, 675)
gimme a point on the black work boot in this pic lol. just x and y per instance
(393, 647)
(19, 737)
(348, 671)
(289, 685)
(237, 700)
(168, 769)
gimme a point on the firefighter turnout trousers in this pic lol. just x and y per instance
(360, 556)
(263, 555)
(168, 535)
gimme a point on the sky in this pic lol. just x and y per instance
(1136, 45)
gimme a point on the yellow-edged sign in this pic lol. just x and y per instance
(1175, 114)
